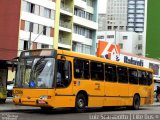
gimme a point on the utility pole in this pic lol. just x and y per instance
(30, 43)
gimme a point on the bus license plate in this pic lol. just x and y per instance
(41, 102)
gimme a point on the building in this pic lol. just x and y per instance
(102, 22)
(124, 15)
(130, 42)
(153, 27)
(59, 24)
(34, 24)
(85, 26)
(115, 17)
(136, 15)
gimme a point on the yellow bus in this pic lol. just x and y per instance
(57, 78)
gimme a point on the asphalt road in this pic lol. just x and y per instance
(9, 111)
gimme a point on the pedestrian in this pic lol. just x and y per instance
(157, 94)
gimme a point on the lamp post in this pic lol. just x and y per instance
(115, 35)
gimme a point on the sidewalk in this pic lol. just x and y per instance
(156, 104)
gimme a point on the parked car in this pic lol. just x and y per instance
(10, 85)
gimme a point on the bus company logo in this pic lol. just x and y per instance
(108, 50)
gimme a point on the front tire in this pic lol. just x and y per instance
(80, 103)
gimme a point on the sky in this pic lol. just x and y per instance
(102, 6)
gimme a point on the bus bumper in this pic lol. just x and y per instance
(33, 102)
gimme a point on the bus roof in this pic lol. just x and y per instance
(95, 58)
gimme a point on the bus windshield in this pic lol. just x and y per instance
(35, 72)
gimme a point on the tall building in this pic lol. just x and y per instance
(153, 30)
(136, 15)
(116, 15)
(34, 24)
(64, 24)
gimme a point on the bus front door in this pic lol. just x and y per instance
(64, 89)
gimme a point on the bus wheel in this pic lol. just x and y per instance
(80, 103)
(136, 102)
(46, 108)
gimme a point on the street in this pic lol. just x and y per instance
(9, 111)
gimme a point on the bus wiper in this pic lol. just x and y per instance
(39, 61)
(36, 65)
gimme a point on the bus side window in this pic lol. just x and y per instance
(97, 70)
(110, 73)
(133, 76)
(81, 68)
(149, 78)
(122, 74)
(63, 73)
(142, 78)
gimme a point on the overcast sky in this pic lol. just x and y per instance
(102, 6)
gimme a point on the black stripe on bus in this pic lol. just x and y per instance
(100, 96)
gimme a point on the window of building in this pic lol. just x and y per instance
(139, 46)
(121, 45)
(133, 76)
(125, 37)
(110, 73)
(109, 27)
(28, 26)
(100, 37)
(44, 46)
(90, 3)
(47, 13)
(86, 49)
(122, 74)
(115, 27)
(83, 14)
(31, 27)
(79, 30)
(140, 37)
(74, 46)
(88, 34)
(121, 28)
(25, 45)
(110, 36)
(97, 70)
(44, 30)
(32, 8)
(77, 47)
(81, 68)
(52, 14)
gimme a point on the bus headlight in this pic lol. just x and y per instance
(45, 97)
